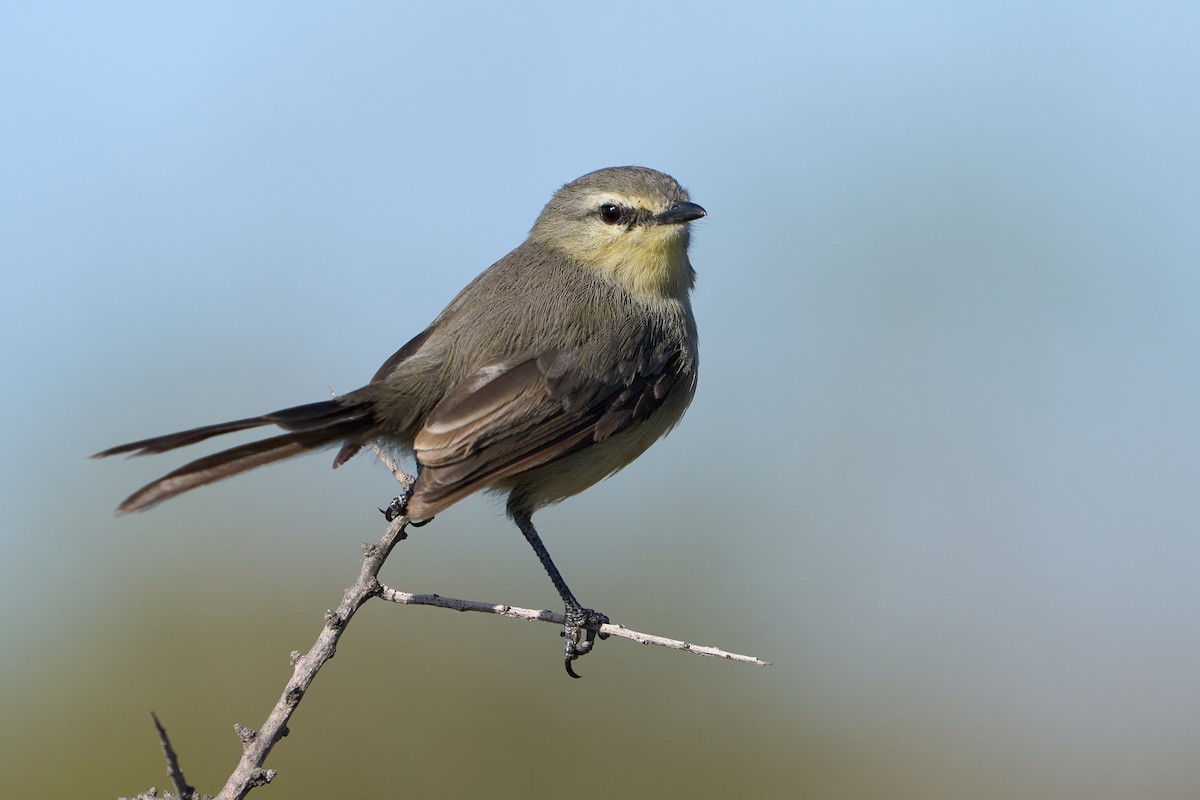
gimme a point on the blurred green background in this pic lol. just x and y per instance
(942, 468)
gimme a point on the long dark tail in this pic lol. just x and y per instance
(311, 427)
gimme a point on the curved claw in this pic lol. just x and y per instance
(395, 508)
(580, 635)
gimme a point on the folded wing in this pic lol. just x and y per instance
(518, 413)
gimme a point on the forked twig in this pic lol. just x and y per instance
(257, 745)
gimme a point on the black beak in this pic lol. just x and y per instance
(680, 212)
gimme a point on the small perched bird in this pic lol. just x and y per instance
(556, 367)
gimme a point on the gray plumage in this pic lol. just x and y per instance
(541, 357)
(556, 367)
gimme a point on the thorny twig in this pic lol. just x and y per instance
(257, 745)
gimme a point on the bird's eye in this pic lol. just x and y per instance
(611, 214)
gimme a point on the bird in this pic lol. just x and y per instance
(554, 368)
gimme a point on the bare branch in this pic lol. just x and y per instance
(256, 745)
(405, 480)
(174, 771)
(534, 615)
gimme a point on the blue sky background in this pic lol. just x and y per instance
(942, 467)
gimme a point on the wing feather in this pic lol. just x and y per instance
(518, 413)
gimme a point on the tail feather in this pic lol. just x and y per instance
(318, 415)
(161, 444)
(309, 427)
(299, 418)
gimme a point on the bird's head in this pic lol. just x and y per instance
(630, 224)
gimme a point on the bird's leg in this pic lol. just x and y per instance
(582, 623)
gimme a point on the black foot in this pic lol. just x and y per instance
(395, 508)
(580, 634)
